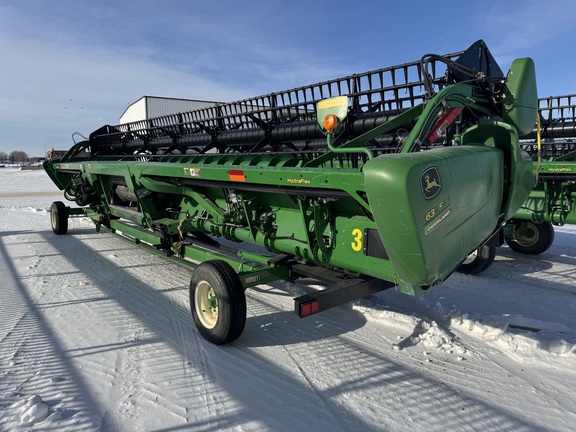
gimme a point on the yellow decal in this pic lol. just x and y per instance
(298, 181)
(432, 213)
(251, 280)
(357, 243)
(432, 226)
(332, 102)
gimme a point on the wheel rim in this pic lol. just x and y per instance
(526, 236)
(470, 258)
(206, 304)
(53, 218)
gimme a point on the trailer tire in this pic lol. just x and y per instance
(217, 302)
(59, 218)
(478, 261)
(533, 239)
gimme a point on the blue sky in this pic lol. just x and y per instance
(72, 66)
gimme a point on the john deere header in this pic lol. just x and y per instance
(397, 174)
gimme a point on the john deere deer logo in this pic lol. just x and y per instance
(430, 182)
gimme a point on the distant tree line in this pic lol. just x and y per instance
(17, 156)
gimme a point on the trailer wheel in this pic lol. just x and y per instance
(59, 218)
(218, 302)
(531, 238)
(478, 261)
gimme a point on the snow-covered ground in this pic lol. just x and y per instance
(96, 335)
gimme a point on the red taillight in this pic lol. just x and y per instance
(308, 308)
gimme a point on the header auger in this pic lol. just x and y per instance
(557, 124)
(390, 177)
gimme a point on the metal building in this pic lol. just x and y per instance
(152, 106)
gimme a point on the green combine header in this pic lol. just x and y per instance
(552, 146)
(393, 177)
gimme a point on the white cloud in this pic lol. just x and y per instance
(524, 25)
(50, 90)
(62, 73)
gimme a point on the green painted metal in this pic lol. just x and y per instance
(553, 199)
(518, 167)
(409, 213)
(521, 101)
(432, 208)
(252, 268)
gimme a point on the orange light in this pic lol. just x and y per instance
(330, 122)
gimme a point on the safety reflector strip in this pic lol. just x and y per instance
(237, 175)
(308, 308)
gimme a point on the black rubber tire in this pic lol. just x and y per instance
(479, 261)
(532, 239)
(59, 218)
(223, 321)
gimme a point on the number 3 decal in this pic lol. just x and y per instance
(357, 243)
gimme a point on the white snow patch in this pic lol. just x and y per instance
(31, 410)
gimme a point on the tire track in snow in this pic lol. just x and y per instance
(139, 307)
(50, 373)
(389, 384)
(438, 381)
